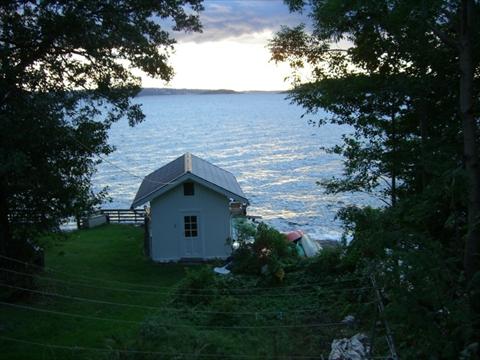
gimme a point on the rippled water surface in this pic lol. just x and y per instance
(260, 138)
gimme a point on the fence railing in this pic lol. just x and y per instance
(116, 216)
(128, 216)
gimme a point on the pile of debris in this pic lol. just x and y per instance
(355, 348)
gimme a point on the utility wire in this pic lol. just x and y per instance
(71, 283)
(125, 351)
(103, 158)
(241, 327)
(168, 309)
(49, 269)
(190, 295)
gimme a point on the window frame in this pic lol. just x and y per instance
(190, 226)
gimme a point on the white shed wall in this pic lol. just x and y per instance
(167, 227)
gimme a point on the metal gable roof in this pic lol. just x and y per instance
(175, 169)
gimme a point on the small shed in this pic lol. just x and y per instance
(192, 203)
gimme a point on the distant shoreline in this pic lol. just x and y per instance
(167, 91)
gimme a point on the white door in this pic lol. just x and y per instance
(192, 244)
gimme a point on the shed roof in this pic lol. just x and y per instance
(176, 171)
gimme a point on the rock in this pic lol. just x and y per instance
(355, 348)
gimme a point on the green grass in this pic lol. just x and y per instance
(96, 263)
(214, 315)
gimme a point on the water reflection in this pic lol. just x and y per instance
(258, 137)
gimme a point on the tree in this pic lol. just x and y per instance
(65, 77)
(375, 154)
(419, 53)
(408, 84)
(468, 38)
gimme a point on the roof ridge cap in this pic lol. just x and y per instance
(188, 162)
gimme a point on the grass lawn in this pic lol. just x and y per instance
(104, 264)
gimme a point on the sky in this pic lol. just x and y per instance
(231, 53)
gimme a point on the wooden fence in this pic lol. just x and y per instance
(116, 216)
(124, 216)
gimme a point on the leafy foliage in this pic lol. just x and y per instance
(424, 292)
(245, 230)
(198, 286)
(66, 76)
(391, 71)
(329, 263)
(268, 254)
(245, 319)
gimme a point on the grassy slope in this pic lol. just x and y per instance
(109, 253)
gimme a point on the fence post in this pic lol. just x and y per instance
(146, 237)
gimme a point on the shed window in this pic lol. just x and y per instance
(190, 226)
(188, 189)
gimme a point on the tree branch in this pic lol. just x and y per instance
(447, 40)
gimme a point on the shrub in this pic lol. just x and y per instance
(198, 286)
(327, 262)
(245, 260)
(245, 230)
(419, 273)
(226, 308)
(269, 253)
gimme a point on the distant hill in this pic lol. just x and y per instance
(167, 91)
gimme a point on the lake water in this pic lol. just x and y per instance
(260, 138)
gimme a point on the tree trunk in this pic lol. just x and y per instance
(423, 146)
(470, 152)
(5, 234)
(394, 159)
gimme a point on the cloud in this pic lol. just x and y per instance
(226, 19)
(225, 64)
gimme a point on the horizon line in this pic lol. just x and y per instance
(215, 89)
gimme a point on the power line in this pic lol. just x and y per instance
(49, 269)
(125, 351)
(103, 158)
(149, 307)
(82, 284)
(241, 327)
(182, 294)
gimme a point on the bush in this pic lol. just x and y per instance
(328, 262)
(226, 308)
(245, 230)
(419, 274)
(161, 333)
(245, 260)
(198, 286)
(269, 254)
